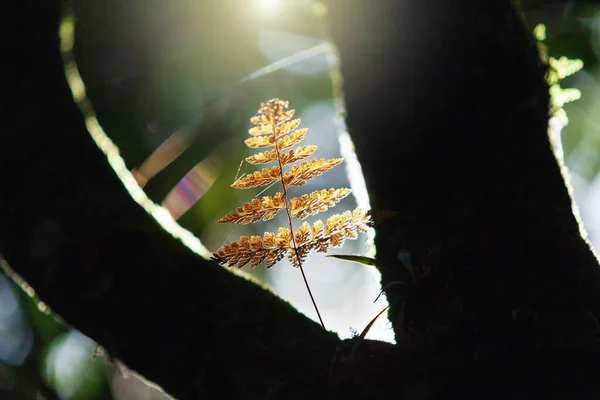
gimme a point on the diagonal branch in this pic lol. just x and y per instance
(70, 228)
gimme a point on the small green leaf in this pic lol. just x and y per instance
(357, 259)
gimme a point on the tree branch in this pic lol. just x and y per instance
(448, 107)
(71, 230)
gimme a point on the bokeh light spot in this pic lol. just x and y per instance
(71, 369)
(16, 337)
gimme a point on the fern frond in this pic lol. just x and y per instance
(259, 130)
(319, 200)
(263, 158)
(284, 116)
(273, 111)
(292, 139)
(258, 142)
(261, 118)
(271, 115)
(337, 229)
(284, 238)
(286, 127)
(299, 175)
(274, 127)
(282, 127)
(256, 210)
(252, 250)
(297, 154)
(302, 235)
(361, 219)
(258, 178)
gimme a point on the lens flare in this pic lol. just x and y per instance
(192, 187)
(269, 6)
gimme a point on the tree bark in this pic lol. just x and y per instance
(448, 107)
(98, 260)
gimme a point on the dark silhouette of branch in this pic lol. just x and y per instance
(456, 90)
(97, 259)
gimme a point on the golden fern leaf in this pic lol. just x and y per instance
(297, 254)
(274, 127)
(302, 235)
(283, 238)
(286, 127)
(253, 250)
(276, 117)
(256, 210)
(361, 219)
(258, 142)
(299, 175)
(337, 229)
(305, 205)
(291, 139)
(261, 118)
(273, 123)
(317, 230)
(258, 178)
(297, 154)
(260, 130)
(272, 113)
(284, 116)
(263, 158)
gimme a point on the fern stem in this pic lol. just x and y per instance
(289, 218)
(309, 291)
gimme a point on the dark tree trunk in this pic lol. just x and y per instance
(448, 106)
